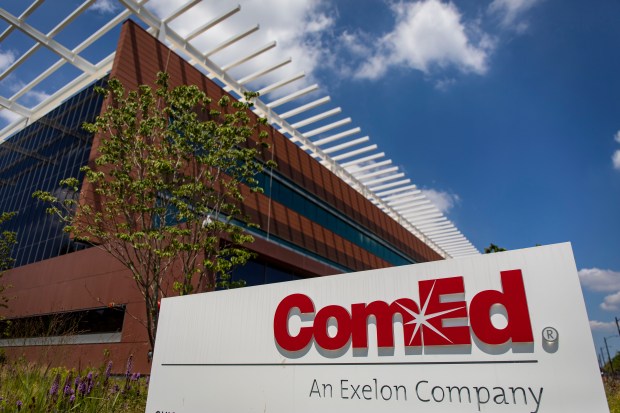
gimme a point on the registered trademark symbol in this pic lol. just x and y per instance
(550, 334)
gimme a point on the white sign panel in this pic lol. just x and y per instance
(501, 332)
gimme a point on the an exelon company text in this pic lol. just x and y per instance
(424, 391)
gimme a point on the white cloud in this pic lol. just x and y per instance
(444, 201)
(603, 326)
(616, 159)
(426, 34)
(599, 280)
(444, 84)
(6, 59)
(617, 136)
(357, 43)
(36, 96)
(611, 302)
(511, 11)
(104, 6)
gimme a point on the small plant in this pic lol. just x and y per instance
(8, 239)
(31, 388)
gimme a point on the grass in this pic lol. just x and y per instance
(26, 387)
(612, 390)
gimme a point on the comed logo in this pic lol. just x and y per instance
(427, 322)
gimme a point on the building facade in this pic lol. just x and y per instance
(311, 223)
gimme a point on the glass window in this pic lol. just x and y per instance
(38, 157)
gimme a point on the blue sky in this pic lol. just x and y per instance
(506, 111)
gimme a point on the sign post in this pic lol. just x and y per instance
(501, 332)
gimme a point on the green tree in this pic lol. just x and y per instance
(7, 241)
(493, 248)
(167, 188)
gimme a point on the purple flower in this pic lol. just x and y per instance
(19, 405)
(90, 383)
(67, 389)
(55, 385)
(129, 365)
(108, 371)
(135, 377)
(81, 389)
(72, 398)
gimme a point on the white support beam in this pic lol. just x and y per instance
(427, 227)
(305, 108)
(185, 7)
(390, 185)
(460, 249)
(15, 107)
(462, 242)
(384, 179)
(293, 96)
(326, 128)
(375, 173)
(281, 83)
(357, 169)
(316, 118)
(248, 57)
(442, 232)
(14, 127)
(428, 221)
(447, 237)
(362, 160)
(212, 23)
(435, 227)
(410, 200)
(424, 215)
(465, 251)
(460, 252)
(231, 40)
(355, 152)
(346, 145)
(396, 193)
(410, 211)
(456, 243)
(263, 72)
(332, 138)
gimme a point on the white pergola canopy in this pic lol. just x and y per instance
(324, 134)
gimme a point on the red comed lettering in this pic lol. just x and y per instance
(280, 322)
(439, 320)
(519, 328)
